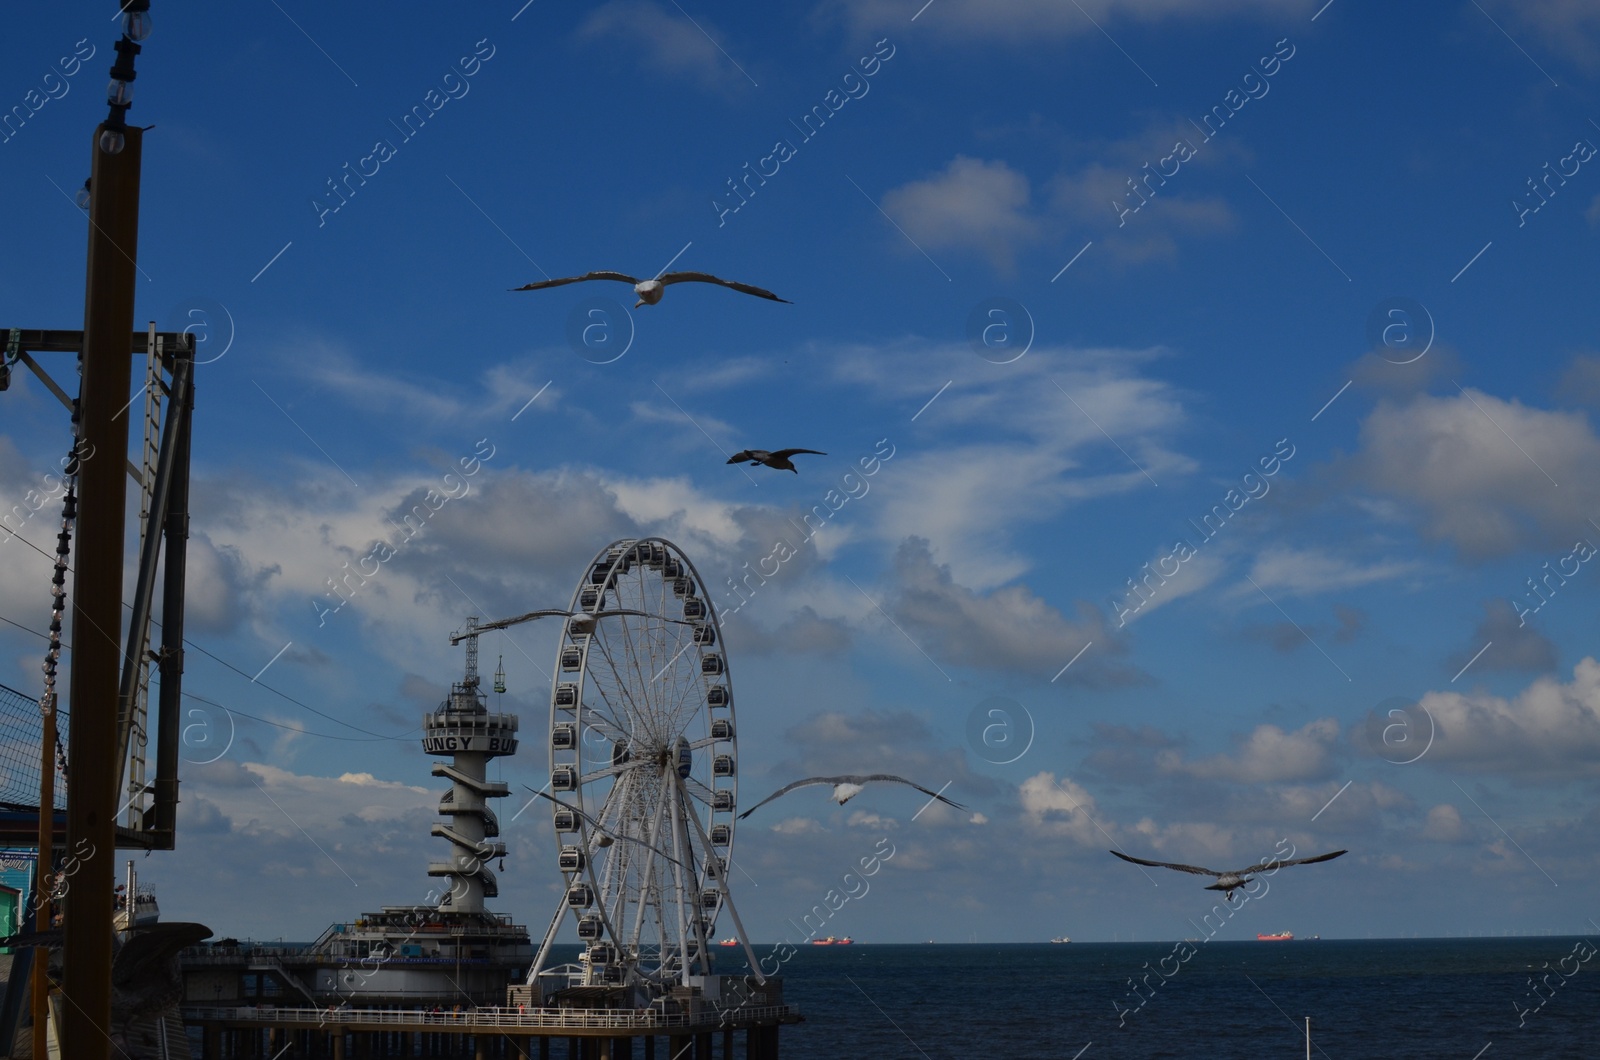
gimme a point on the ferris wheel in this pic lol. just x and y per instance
(643, 770)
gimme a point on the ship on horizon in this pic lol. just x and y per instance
(1281, 936)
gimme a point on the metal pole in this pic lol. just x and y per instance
(145, 582)
(97, 593)
(177, 538)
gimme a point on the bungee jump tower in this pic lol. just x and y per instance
(464, 728)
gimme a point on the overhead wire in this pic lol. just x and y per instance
(338, 721)
(370, 737)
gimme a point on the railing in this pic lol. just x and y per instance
(615, 1019)
(299, 957)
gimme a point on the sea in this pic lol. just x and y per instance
(1535, 997)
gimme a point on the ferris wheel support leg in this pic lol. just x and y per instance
(727, 899)
(677, 875)
(587, 847)
(544, 947)
(687, 814)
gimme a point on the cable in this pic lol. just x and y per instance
(25, 629)
(280, 725)
(296, 702)
(371, 737)
(235, 669)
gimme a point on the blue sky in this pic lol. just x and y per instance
(1151, 365)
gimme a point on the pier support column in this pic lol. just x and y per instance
(680, 1047)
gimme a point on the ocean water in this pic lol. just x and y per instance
(1394, 998)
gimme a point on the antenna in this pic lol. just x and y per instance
(469, 680)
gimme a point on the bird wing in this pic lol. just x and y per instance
(706, 277)
(785, 453)
(1196, 869)
(1268, 866)
(640, 614)
(602, 829)
(790, 787)
(897, 780)
(740, 457)
(577, 279)
(835, 781)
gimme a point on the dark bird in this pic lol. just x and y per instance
(1228, 882)
(847, 788)
(650, 291)
(779, 460)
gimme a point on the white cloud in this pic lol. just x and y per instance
(1571, 30)
(1548, 730)
(1306, 571)
(970, 205)
(667, 40)
(1193, 575)
(1025, 21)
(1444, 824)
(498, 388)
(1008, 629)
(1482, 470)
(862, 819)
(658, 412)
(1061, 808)
(797, 826)
(1013, 450)
(280, 800)
(1267, 755)
(1335, 804)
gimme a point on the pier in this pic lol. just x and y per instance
(269, 1032)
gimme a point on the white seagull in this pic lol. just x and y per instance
(847, 788)
(650, 291)
(582, 621)
(779, 460)
(605, 836)
(1228, 882)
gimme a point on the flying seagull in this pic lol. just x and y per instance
(582, 621)
(650, 291)
(779, 459)
(606, 836)
(846, 788)
(1228, 882)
